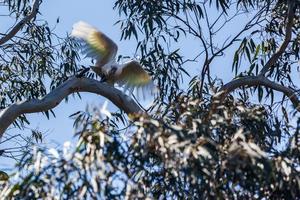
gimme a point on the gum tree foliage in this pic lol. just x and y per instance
(205, 141)
(33, 61)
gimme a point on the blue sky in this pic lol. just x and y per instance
(100, 14)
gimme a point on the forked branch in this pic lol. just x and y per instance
(251, 81)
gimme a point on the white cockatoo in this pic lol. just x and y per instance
(101, 48)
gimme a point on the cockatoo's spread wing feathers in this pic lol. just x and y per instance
(134, 76)
(96, 44)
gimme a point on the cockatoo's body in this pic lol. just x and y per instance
(100, 47)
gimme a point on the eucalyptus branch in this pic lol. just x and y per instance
(261, 80)
(20, 24)
(52, 99)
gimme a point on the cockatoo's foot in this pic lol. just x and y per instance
(82, 72)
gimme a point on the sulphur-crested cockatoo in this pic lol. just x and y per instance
(101, 48)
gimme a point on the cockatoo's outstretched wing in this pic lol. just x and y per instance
(96, 44)
(133, 75)
(100, 47)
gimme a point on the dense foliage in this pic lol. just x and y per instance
(194, 142)
(187, 154)
(34, 55)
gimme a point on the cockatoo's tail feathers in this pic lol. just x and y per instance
(96, 44)
(146, 90)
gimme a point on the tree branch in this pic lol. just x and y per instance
(256, 81)
(20, 24)
(287, 39)
(51, 100)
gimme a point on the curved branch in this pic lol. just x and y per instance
(20, 24)
(255, 81)
(287, 39)
(52, 99)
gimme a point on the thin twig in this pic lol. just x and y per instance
(20, 24)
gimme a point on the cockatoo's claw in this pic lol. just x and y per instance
(103, 79)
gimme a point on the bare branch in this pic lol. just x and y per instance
(20, 24)
(208, 61)
(287, 39)
(51, 100)
(256, 81)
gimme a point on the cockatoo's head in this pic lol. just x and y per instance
(110, 67)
